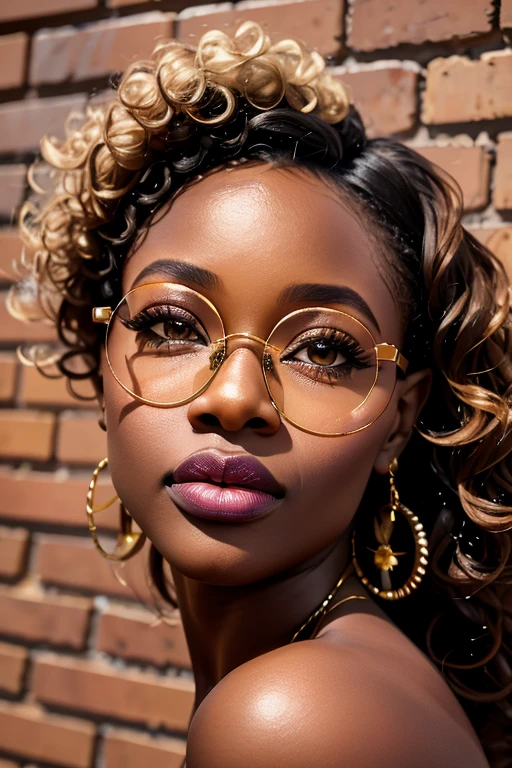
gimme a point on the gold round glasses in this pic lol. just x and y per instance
(323, 370)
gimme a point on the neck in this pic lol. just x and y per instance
(227, 626)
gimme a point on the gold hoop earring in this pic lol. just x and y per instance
(128, 542)
(385, 559)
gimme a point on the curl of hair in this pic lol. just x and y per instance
(187, 112)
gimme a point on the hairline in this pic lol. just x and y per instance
(377, 233)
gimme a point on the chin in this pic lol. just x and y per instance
(215, 563)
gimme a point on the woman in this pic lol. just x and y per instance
(275, 301)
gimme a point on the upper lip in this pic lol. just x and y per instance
(239, 470)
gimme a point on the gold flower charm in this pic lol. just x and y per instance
(385, 558)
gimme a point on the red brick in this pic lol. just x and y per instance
(506, 14)
(501, 244)
(40, 390)
(80, 439)
(72, 561)
(13, 330)
(483, 234)
(99, 689)
(13, 551)
(469, 166)
(13, 49)
(29, 731)
(385, 95)
(459, 89)
(26, 434)
(8, 368)
(125, 749)
(32, 615)
(23, 123)
(502, 196)
(52, 498)
(12, 189)
(10, 249)
(374, 24)
(71, 55)
(318, 23)
(131, 634)
(25, 9)
(13, 661)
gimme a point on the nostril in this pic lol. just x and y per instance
(256, 423)
(209, 420)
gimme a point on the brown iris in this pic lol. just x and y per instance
(175, 329)
(321, 353)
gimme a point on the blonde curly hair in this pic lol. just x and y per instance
(100, 161)
(189, 111)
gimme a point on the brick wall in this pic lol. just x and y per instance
(84, 676)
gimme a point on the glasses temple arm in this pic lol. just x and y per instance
(389, 353)
(101, 314)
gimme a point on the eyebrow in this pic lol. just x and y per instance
(318, 293)
(180, 270)
(327, 294)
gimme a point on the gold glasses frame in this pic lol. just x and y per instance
(384, 353)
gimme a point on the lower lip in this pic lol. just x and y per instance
(212, 502)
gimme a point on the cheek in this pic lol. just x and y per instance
(140, 443)
(332, 475)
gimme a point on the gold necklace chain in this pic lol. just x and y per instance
(323, 609)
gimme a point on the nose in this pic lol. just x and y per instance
(237, 397)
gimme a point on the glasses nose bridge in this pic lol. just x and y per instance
(241, 337)
(244, 338)
(222, 348)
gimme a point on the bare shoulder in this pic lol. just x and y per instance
(334, 702)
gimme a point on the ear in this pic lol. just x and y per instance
(412, 396)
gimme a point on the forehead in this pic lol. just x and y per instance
(261, 229)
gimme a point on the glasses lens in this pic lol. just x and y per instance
(321, 370)
(162, 343)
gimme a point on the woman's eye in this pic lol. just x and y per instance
(175, 330)
(169, 326)
(320, 353)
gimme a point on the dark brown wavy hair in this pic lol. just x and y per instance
(191, 111)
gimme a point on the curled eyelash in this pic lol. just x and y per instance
(161, 312)
(356, 356)
(144, 321)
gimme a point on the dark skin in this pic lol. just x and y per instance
(360, 693)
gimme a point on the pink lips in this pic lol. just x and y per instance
(214, 486)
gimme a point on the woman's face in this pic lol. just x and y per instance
(259, 230)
